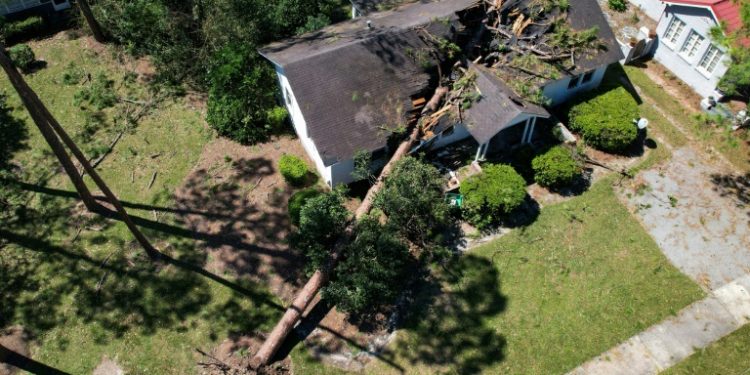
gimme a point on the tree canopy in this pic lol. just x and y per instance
(736, 81)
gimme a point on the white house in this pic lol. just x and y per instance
(684, 42)
(349, 87)
(8, 7)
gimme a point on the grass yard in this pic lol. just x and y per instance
(728, 356)
(543, 299)
(93, 294)
(732, 146)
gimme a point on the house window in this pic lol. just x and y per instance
(573, 82)
(449, 131)
(674, 31)
(711, 59)
(587, 77)
(288, 96)
(692, 44)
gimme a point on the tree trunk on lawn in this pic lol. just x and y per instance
(49, 136)
(35, 106)
(83, 5)
(320, 278)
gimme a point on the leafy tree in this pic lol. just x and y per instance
(242, 102)
(736, 81)
(322, 220)
(297, 201)
(375, 268)
(314, 23)
(556, 167)
(492, 194)
(412, 198)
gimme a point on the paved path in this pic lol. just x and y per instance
(705, 235)
(663, 345)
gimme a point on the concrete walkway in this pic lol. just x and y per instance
(663, 345)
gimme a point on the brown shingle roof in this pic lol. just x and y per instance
(496, 108)
(353, 84)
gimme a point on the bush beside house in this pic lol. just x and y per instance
(293, 169)
(23, 57)
(496, 192)
(604, 119)
(297, 201)
(556, 167)
(23, 29)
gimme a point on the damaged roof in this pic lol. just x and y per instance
(498, 105)
(353, 84)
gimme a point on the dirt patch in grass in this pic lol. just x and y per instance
(663, 78)
(16, 339)
(235, 201)
(108, 367)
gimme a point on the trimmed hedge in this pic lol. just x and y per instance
(293, 169)
(522, 157)
(23, 29)
(297, 201)
(492, 194)
(604, 119)
(556, 167)
(23, 57)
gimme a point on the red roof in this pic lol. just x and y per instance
(725, 10)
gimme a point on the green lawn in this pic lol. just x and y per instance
(728, 356)
(734, 148)
(150, 319)
(543, 299)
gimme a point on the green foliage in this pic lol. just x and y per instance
(362, 166)
(24, 28)
(412, 199)
(522, 157)
(293, 169)
(99, 94)
(492, 194)
(322, 220)
(297, 201)
(604, 119)
(314, 23)
(618, 5)
(242, 102)
(735, 80)
(375, 268)
(23, 57)
(557, 167)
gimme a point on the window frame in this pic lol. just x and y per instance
(587, 78)
(672, 41)
(695, 47)
(716, 58)
(574, 79)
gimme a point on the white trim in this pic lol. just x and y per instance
(710, 9)
(684, 51)
(704, 71)
(672, 45)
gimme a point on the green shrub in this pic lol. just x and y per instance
(322, 220)
(557, 167)
(297, 201)
(23, 57)
(293, 169)
(492, 194)
(604, 119)
(22, 29)
(618, 5)
(522, 157)
(99, 94)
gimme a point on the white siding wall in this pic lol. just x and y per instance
(300, 126)
(652, 8)
(700, 20)
(559, 93)
(12, 6)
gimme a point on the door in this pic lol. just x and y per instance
(61, 4)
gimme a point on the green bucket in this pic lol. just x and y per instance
(454, 200)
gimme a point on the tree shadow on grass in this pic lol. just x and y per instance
(13, 134)
(733, 186)
(447, 327)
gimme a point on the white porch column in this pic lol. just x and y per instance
(479, 152)
(486, 147)
(525, 131)
(531, 132)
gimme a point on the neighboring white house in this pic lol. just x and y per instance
(684, 43)
(350, 86)
(8, 7)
